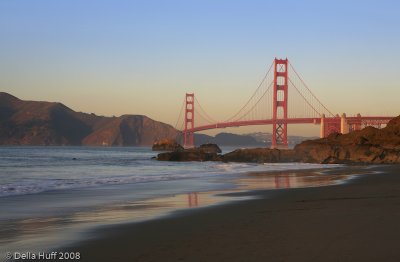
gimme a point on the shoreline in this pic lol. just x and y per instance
(54, 213)
(355, 221)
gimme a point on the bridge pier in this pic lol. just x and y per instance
(188, 136)
(329, 125)
(344, 126)
(334, 125)
(357, 125)
(322, 127)
(280, 104)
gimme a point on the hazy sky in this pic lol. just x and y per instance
(140, 57)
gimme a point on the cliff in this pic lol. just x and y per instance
(47, 123)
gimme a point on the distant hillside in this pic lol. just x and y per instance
(252, 139)
(46, 123)
(266, 138)
(227, 139)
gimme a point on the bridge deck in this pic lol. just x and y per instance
(316, 121)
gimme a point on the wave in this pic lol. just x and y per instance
(31, 171)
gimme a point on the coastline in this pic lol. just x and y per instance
(62, 200)
(355, 221)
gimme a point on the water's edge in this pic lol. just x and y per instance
(84, 188)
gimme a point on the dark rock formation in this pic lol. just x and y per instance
(209, 148)
(206, 152)
(260, 155)
(166, 145)
(184, 156)
(45, 123)
(369, 145)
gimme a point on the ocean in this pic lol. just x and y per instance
(54, 196)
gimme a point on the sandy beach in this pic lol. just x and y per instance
(357, 221)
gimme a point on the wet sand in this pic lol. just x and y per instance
(357, 221)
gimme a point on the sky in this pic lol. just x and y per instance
(141, 57)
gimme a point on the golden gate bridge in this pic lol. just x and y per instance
(270, 105)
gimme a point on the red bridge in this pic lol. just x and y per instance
(270, 105)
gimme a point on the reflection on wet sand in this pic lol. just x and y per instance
(25, 234)
(193, 200)
(290, 179)
(63, 229)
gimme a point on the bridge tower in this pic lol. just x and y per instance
(188, 136)
(280, 104)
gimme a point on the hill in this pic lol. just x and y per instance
(259, 139)
(49, 123)
(227, 139)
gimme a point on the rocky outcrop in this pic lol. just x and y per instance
(46, 123)
(166, 145)
(206, 152)
(208, 148)
(369, 145)
(260, 155)
(210, 152)
(184, 156)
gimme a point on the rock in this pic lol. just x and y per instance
(206, 152)
(166, 145)
(210, 148)
(259, 155)
(184, 156)
(369, 145)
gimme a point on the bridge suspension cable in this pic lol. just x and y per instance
(180, 116)
(199, 109)
(305, 99)
(256, 104)
(253, 96)
(321, 106)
